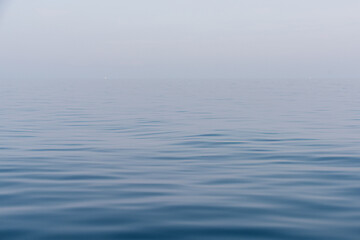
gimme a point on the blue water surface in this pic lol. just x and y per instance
(180, 159)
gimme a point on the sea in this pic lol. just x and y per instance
(257, 159)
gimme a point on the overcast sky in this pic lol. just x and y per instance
(180, 39)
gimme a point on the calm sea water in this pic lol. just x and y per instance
(234, 159)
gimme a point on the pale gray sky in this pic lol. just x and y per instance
(180, 39)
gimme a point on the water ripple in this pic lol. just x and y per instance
(197, 161)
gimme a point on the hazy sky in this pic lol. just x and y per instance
(180, 39)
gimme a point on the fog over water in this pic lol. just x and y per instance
(180, 39)
(185, 120)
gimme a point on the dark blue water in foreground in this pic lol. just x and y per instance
(264, 159)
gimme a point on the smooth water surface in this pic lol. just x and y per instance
(161, 159)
